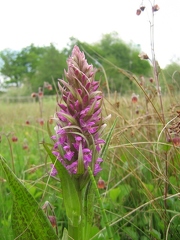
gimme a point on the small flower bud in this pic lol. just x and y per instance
(52, 220)
(14, 139)
(155, 8)
(51, 120)
(49, 87)
(142, 8)
(143, 56)
(134, 98)
(25, 147)
(40, 92)
(33, 95)
(137, 111)
(151, 80)
(138, 12)
(101, 184)
(176, 141)
(41, 121)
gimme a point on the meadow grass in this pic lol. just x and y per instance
(141, 170)
(25, 156)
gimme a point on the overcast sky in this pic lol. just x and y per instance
(42, 22)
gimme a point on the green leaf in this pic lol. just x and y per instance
(94, 231)
(118, 194)
(114, 193)
(70, 194)
(125, 190)
(155, 234)
(65, 234)
(131, 233)
(28, 219)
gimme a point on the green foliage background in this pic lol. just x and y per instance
(32, 66)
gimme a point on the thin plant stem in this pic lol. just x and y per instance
(11, 152)
(155, 66)
(156, 77)
(167, 230)
(105, 219)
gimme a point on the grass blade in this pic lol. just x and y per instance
(107, 141)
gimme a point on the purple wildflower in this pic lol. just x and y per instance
(79, 119)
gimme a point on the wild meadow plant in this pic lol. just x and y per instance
(77, 142)
(76, 155)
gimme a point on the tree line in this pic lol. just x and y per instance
(33, 66)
